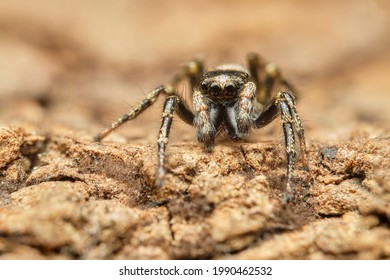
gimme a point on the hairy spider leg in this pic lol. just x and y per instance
(288, 130)
(290, 99)
(274, 76)
(256, 65)
(266, 76)
(193, 70)
(134, 111)
(174, 103)
(244, 110)
(283, 104)
(205, 121)
(163, 137)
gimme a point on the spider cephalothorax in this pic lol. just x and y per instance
(228, 99)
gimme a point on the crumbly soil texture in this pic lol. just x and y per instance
(64, 76)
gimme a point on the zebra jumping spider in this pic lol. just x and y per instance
(228, 99)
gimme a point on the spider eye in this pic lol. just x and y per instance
(203, 86)
(230, 87)
(215, 88)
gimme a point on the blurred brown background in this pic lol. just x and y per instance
(81, 64)
(69, 68)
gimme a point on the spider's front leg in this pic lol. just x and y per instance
(239, 114)
(135, 111)
(163, 137)
(173, 104)
(192, 70)
(245, 109)
(284, 105)
(207, 117)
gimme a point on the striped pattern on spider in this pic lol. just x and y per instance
(229, 99)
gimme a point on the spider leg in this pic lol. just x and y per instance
(167, 117)
(273, 75)
(245, 108)
(256, 65)
(239, 116)
(207, 118)
(284, 105)
(298, 127)
(193, 70)
(266, 76)
(173, 104)
(135, 111)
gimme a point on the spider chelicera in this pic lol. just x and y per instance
(229, 99)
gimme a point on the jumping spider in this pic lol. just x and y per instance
(229, 99)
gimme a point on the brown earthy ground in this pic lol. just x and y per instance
(68, 68)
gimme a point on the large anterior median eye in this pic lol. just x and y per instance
(230, 87)
(215, 88)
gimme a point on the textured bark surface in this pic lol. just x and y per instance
(65, 74)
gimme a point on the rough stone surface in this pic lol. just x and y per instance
(64, 75)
